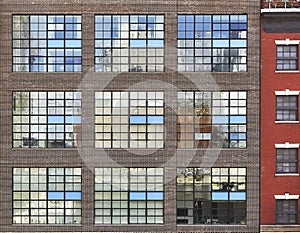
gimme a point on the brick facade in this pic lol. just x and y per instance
(271, 132)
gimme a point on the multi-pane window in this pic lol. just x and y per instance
(47, 195)
(212, 119)
(212, 43)
(286, 107)
(129, 195)
(286, 160)
(129, 119)
(47, 43)
(286, 211)
(133, 43)
(46, 119)
(287, 57)
(211, 196)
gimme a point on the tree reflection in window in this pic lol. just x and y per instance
(212, 119)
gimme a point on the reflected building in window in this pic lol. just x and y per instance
(212, 119)
(47, 43)
(129, 43)
(46, 119)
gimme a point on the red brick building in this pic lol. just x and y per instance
(280, 138)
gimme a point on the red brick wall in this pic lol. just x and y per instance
(272, 133)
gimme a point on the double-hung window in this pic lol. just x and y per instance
(286, 57)
(287, 211)
(286, 160)
(287, 108)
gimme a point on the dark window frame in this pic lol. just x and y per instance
(44, 187)
(285, 111)
(132, 184)
(70, 52)
(284, 54)
(287, 211)
(110, 66)
(205, 208)
(134, 110)
(204, 48)
(285, 163)
(68, 109)
(235, 134)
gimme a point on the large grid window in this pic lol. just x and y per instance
(286, 160)
(286, 108)
(133, 43)
(212, 43)
(129, 196)
(211, 196)
(286, 211)
(129, 119)
(47, 195)
(47, 43)
(287, 57)
(212, 119)
(46, 119)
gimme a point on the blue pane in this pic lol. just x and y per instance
(189, 18)
(151, 19)
(137, 196)
(243, 18)
(189, 34)
(237, 136)
(219, 196)
(237, 196)
(137, 119)
(55, 119)
(155, 196)
(242, 135)
(220, 119)
(137, 43)
(55, 43)
(181, 18)
(73, 195)
(221, 43)
(73, 119)
(155, 43)
(181, 27)
(56, 195)
(207, 18)
(234, 136)
(238, 43)
(59, 35)
(181, 34)
(73, 60)
(189, 27)
(243, 26)
(73, 43)
(155, 119)
(238, 119)
(234, 18)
